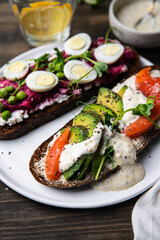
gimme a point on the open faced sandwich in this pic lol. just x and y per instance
(105, 137)
(37, 91)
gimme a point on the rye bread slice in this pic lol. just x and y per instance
(41, 117)
(140, 144)
(39, 174)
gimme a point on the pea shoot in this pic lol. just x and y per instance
(141, 109)
(98, 66)
(20, 84)
(42, 61)
(100, 160)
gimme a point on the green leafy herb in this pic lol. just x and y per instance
(98, 66)
(141, 109)
(42, 61)
(107, 156)
(57, 64)
(108, 118)
(20, 82)
(59, 56)
(108, 32)
(87, 54)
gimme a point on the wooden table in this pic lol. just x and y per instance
(22, 218)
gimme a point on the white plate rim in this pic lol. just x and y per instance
(62, 203)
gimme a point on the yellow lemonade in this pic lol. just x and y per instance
(45, 19)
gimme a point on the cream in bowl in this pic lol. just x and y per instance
(124, 14)
(132, 12)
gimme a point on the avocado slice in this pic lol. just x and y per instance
(122, 91)
(87, 120)
(110, 99)
(82, 121)
(100, 109)
(78, 134)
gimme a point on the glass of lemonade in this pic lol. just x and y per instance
(44, 21)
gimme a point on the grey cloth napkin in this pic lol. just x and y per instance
(146, 215)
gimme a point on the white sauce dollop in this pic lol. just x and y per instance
(72, 152)
(130, 171)
(107, 134)
(124, 150)
(124, 178)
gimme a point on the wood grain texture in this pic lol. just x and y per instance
(24, 219)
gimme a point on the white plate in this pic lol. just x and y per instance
(15, 156)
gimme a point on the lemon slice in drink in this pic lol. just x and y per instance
(45, 19)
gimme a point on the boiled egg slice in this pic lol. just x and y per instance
(109, 53)
(76, 69)
(16, 70)
(41, 81)
(77, 44)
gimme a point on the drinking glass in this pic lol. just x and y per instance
(42, 21)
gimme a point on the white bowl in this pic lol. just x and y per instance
(128, 35)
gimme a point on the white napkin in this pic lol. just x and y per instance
(146, 215)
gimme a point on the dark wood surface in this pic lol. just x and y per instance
(22, 218)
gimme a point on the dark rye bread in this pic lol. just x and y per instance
(41, 117)
(140, 144)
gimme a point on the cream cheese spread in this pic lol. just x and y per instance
(130, 82)
(131, 99)
(19, 115)
(72, 152)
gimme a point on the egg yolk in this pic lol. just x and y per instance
(76, 43)
(44, 79)
(79, 71)
(111, 50)
(17, 67)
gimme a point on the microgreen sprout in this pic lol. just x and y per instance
(42, 61)
(107, 156)
(98, 66)
(108, 32)
(20, 84)
(141, 109)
